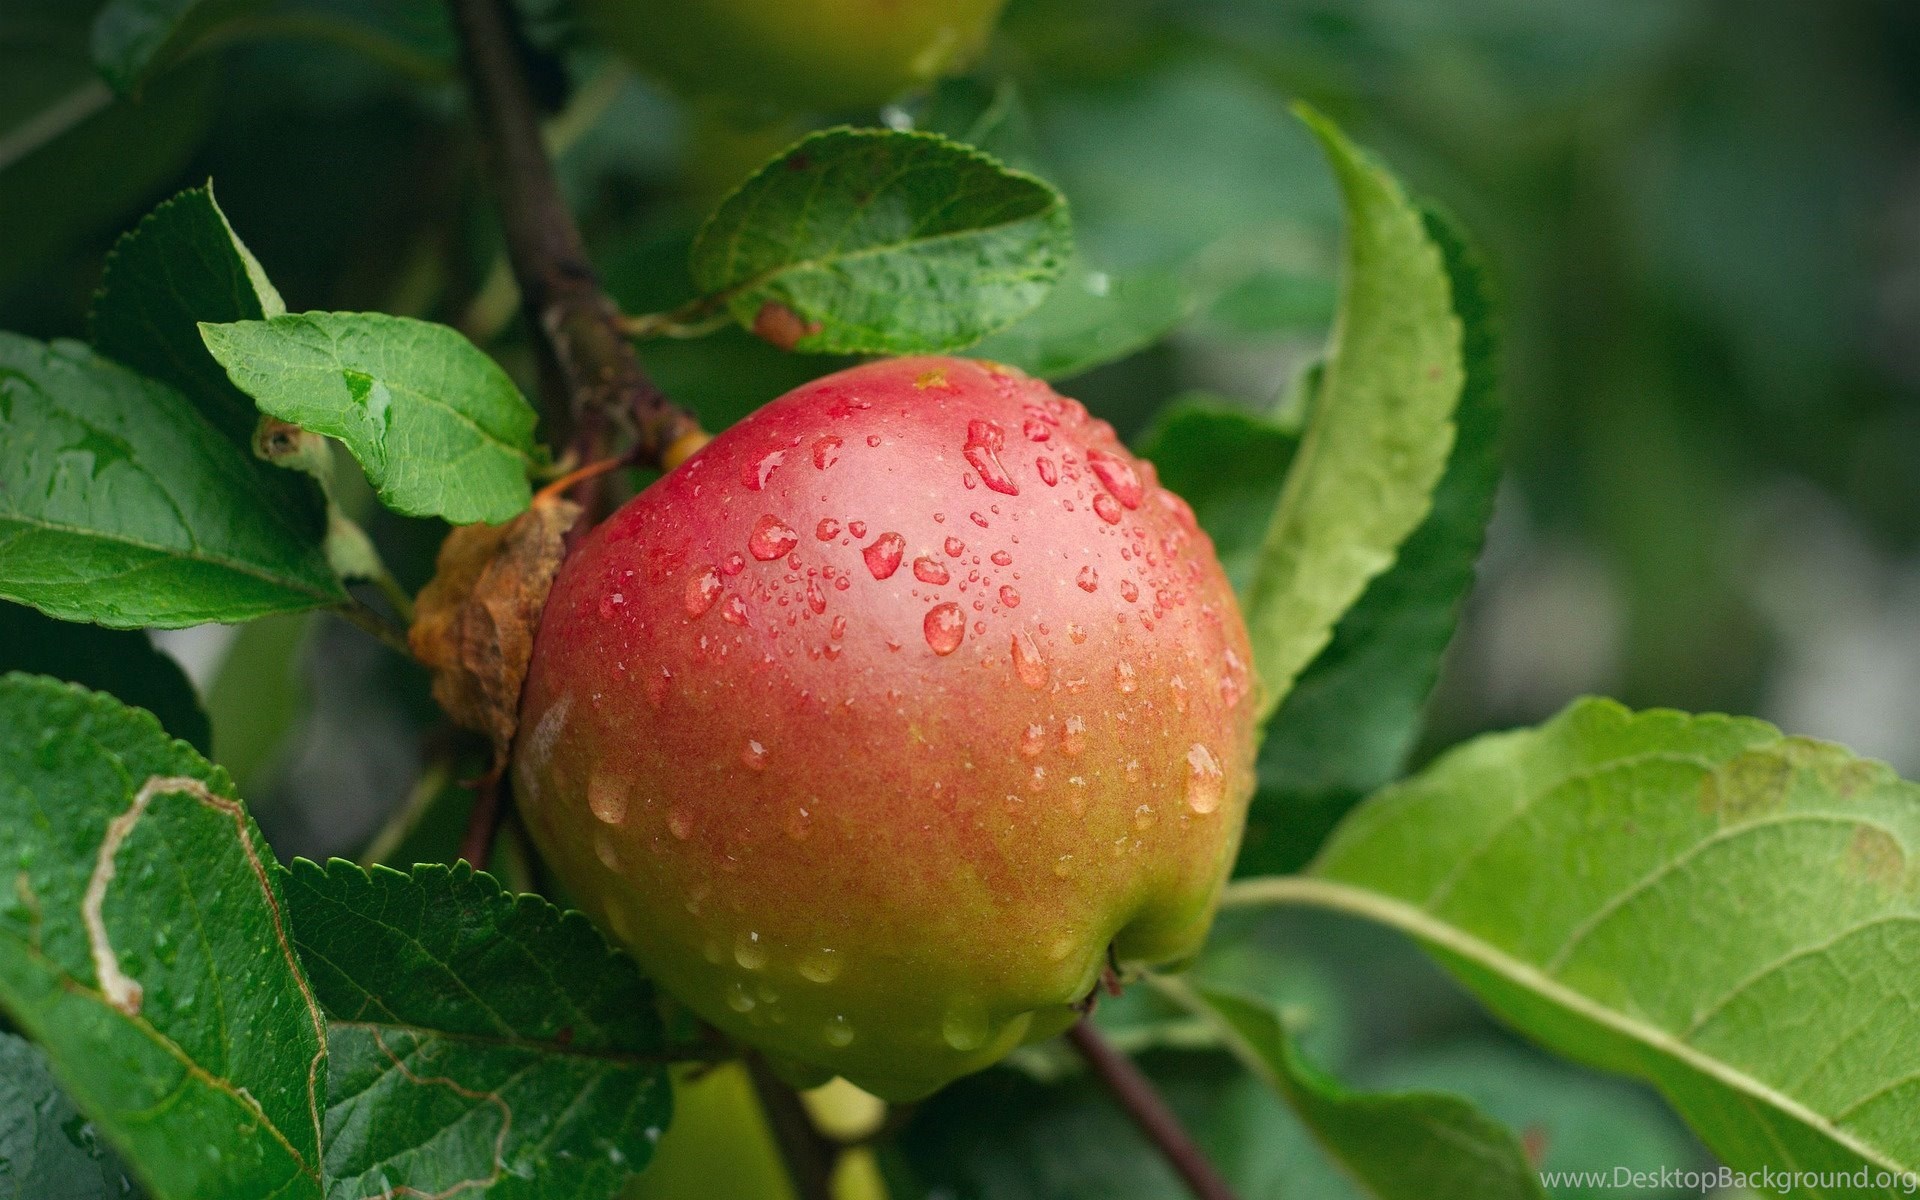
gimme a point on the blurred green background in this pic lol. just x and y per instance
(1705, 215)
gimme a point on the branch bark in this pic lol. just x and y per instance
(590, 359)
(1135, 1093)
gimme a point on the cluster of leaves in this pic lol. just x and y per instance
(238, 1028)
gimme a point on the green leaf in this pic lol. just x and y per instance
(181, 265)
(1421, 1146)
(1576, 1124)
(868, 241)
(1230, 465)
(122, 506)
(999, 1135)
(122, 662)
(48, 1151)
(75, 163)
(143, 946)
(133, 40)
(475, 1036)
(1702, 902)
(1380, 431)
(1350, 722)
(1094, 317)
(439, 427)
(1186, 184)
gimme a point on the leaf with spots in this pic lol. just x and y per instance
(439, 428)
(1381, 429)
(1702, 902)
(144, 947)
(476, 1038)
(870, 241)
(121, 505)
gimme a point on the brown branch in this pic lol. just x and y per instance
(809, 1154)
(1135, 1093)
(483, 820)
(588, 359)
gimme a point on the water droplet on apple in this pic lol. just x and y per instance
(1117, 476)
(733, 564)
(883, 556)
(1073, 736)
(1107, 508)
(816, 599)
(1009, 597)
(954, 547)
(771, 538)
(753, 755)
(1143, 817)
(826, 452)
(1179, 688)
(838, 1032)
(857, 528)
(1088, 579)
(702, 590)
(1049, 474)
(839, 629)
(1124, 678)
(1001, 558)
(607, 797)
(827, 530)
(1205, 781)
(756, 473)
(1028, 663)
(739, 999)
(734, 610)
(820, 966)
(750, 952)
(982, 451)
(1129, 591)
(1033, 740)
(1036, 431)
(929, 570)
(606, 851)
(680, 822)
(944, 627)
(964, 1027)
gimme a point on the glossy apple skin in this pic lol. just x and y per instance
(823, 55)
(834, 822)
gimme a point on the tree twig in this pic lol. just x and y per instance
(808, 1153)
(600, 380)
(483, 822)
(1135, 1093)
(358, 612)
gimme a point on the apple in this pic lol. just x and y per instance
(881, 725)
(797, 54)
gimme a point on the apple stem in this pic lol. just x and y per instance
(483, 822)
(1136, 1094)
(809, 1154)
(591, 376)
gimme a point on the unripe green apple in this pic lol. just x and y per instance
(873, 726)
(807, 54)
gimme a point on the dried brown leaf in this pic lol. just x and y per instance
(474, 623)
